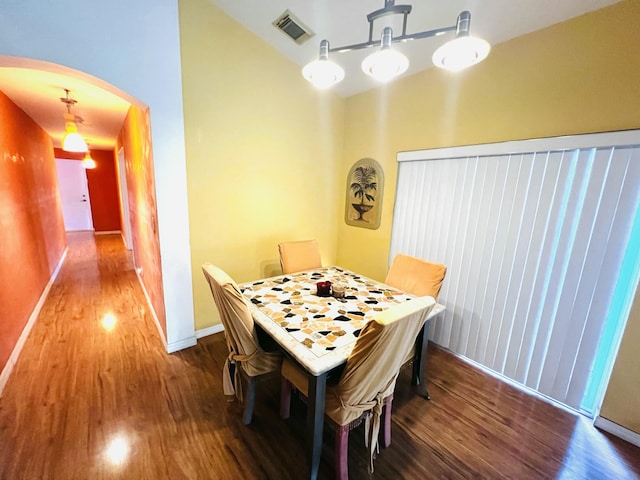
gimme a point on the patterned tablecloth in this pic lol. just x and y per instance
(322, 324)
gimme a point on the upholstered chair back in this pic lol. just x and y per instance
(416, 276)
(239, 327)
(298, 256)
(374, 363)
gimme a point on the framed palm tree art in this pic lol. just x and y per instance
(365, 184)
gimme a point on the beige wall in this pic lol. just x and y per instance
(622, 401)
(263, 151)
(575, 77)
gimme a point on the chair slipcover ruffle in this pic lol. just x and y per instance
(372, 368)
(240, 333)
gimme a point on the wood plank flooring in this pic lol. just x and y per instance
(88, 402)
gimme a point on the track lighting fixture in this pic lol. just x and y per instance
(387, 63)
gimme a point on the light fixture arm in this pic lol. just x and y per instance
(387, 36)
(68, 101)
(72, 141)
(461, 27)
(390, 8)
(463, 24)
(324, 50)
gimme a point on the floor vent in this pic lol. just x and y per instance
(290, 25)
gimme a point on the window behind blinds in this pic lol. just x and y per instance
(533, 234)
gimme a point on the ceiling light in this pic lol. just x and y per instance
(463, 51)
(88, 162)
(323, 73)
(388, 63)
(72, 141)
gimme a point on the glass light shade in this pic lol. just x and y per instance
(323, 73)
(385, 64)
(460, 53)
(88, 162)
(73, 142)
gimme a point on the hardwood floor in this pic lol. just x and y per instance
(85, 401)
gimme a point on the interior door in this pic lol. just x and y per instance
(74, 194)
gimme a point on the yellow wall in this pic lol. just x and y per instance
(263, 149)
(575, 77)
(622, 401)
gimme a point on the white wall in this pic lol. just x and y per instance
(135, 47)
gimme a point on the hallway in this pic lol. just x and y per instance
(95, 395)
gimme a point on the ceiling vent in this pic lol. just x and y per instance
(291, 26)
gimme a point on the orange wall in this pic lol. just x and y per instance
(103, 188)
(135, 138)
(32, 238)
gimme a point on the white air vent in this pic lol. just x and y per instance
(291, 26)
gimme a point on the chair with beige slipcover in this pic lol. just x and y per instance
(365, 388)
(418, 277)
(246, 356)
(300, 255)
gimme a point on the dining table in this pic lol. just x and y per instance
(318, 330)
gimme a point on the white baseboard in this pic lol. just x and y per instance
(204, 332)
(13, 358)
(181, 345)
(618, 430)
(107, 232)
(190, 342)
(169, 347)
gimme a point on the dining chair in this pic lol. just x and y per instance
(297, 256)
(416, 276)
(246, 356)
(365, 388)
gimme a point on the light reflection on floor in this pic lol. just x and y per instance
(109, 322)
(117, 451)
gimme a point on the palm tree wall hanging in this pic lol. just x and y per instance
(365, 184)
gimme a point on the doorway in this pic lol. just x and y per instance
(124, 201)
(74, 195)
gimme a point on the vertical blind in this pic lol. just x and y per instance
(533, 236)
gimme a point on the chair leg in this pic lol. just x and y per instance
(250, 400)
(285, 398)
(342, 452)
(386, 422)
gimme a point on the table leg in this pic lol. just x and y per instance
(315, 422)
(419, 359)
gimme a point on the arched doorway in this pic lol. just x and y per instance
(110, 120)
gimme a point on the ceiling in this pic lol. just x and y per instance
(342, 22)
(38, 94)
